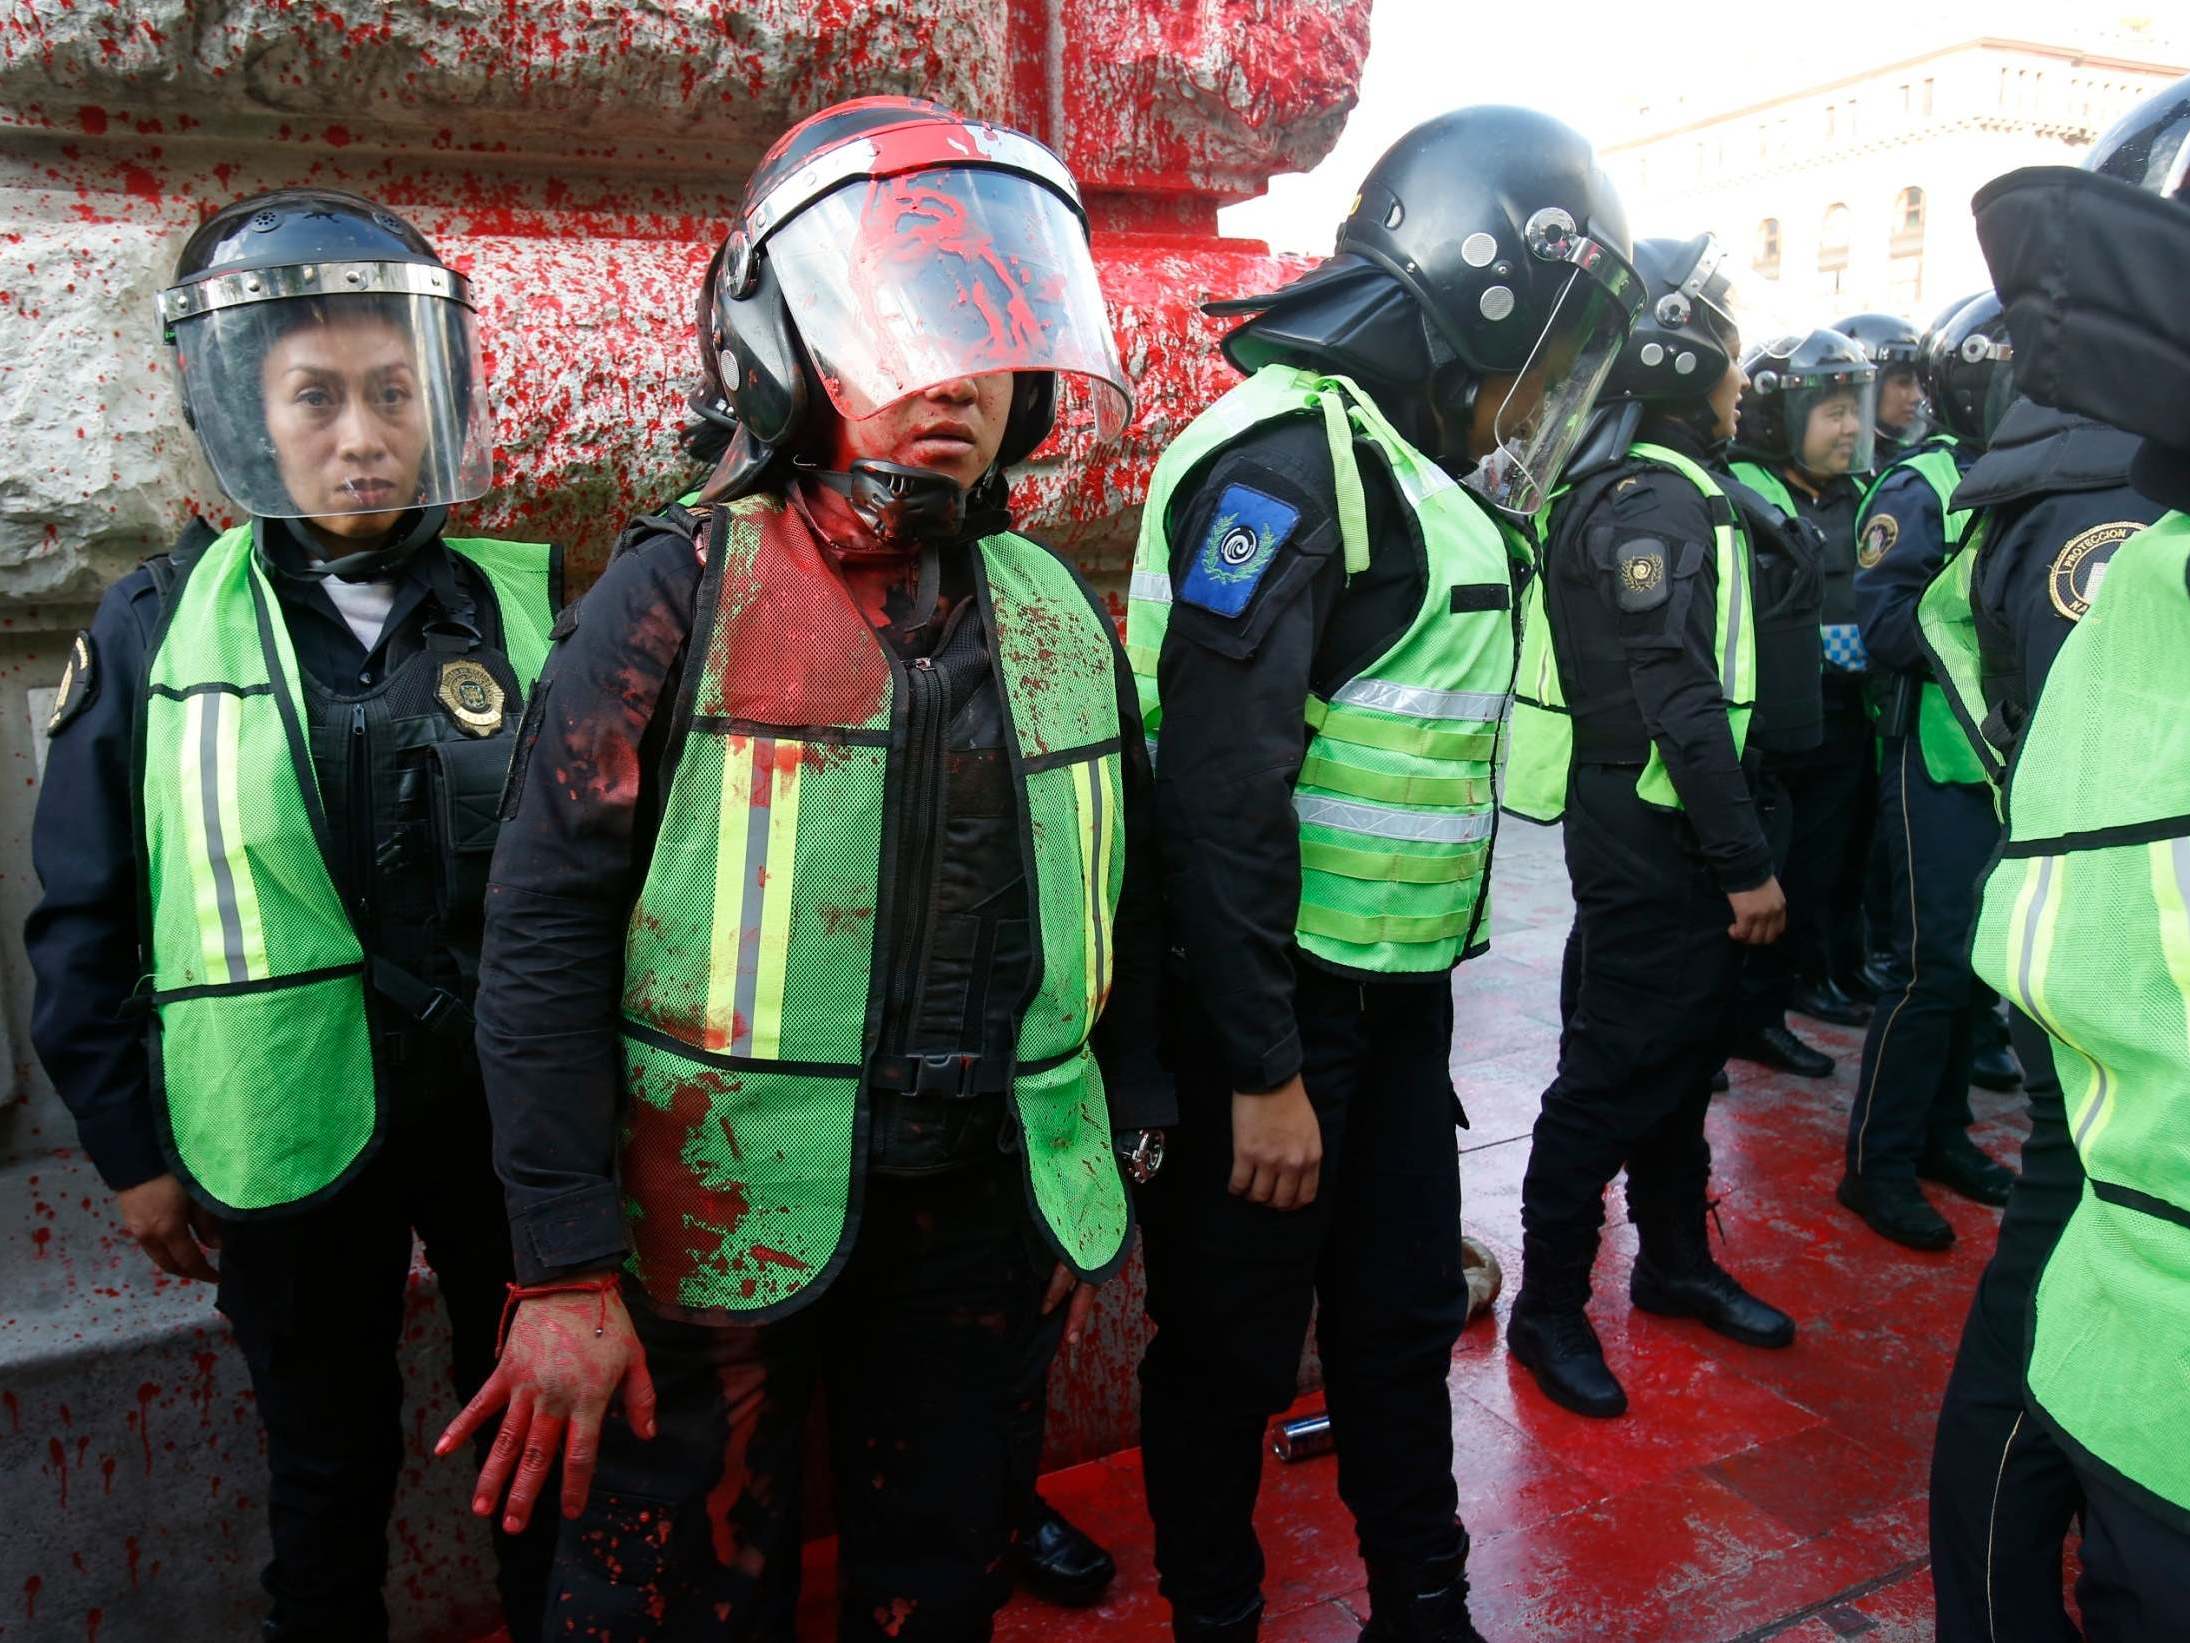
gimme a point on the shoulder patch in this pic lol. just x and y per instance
(1640, 565)
(1245, 532)
(1877, 540)
(2081, 565)
(79, 685)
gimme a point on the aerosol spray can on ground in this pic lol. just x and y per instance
(1299, 1439)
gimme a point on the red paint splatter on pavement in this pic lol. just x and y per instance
(59, 1457)
(146, 1392)
(31, 1588)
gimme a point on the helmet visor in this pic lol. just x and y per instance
(1832, 422)
(1542, 414)
(900, 283)
(309, 406)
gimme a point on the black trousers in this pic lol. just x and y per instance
(2135, 1585)
(2002, 1491)
(1230, 1286)
(1831, 789)
(1768, 973)
(919, 1348)
(316, 1301)
(1913, 1093)
(1648, 1004)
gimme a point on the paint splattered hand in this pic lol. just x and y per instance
(169, 1228)
(567, 1356)
(1061, 1284)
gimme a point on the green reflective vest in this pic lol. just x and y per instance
(1948, 757)
(1946, 624)
(263, 1053)
(2085, 925)
(750, 1004)
(1395, 797)
(1543, 733)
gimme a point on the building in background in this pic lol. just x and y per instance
(1854, 194)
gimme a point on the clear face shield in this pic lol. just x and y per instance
(1543, 411)
(903, 282)
(335, 388)
(1903, 412)
(1834, 426)
(1999, 383)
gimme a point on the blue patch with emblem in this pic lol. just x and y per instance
(1244, 535)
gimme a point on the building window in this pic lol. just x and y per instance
(1927, 96)
(1908, 221)
(1832, 239)
(1905, 282)
(1832, 121)
(1766, 257)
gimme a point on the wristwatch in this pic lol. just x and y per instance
(1141, 1151)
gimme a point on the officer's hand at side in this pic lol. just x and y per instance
(1760, 915)
(170, 1228)
(557, 1377)
(1277, 1147)
(1061, 1284)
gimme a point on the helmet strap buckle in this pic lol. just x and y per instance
(901, 504)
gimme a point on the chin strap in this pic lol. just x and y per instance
(377, 564)
(905, 507)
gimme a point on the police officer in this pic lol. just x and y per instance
(1807, 431)
(1323, 624)
(266, 815)
(1911, 1112)
(809, 899)
(2052, 503)
(1895, 346)
(2082, 918)
(1650, 620)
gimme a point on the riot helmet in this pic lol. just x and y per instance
(886, 246)
(1685, 336)
(1811, 404)
(328, 360)
(1483, 265)
(2149, 147)
(1969, 370)
(1895, 346)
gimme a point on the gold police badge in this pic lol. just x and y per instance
(472, 695)
(1643, 572)
(1877, 539)
(76, 688)
(2081, 564)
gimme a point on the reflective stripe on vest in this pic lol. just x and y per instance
(1395, 797)
(2085, 926)
(749, 961)
(1948, 757)
(265, 1061)
(1543, 733)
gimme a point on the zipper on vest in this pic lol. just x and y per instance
(923, 821)
(361, 862)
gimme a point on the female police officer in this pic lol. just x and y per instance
(808, 905)
(271, 792)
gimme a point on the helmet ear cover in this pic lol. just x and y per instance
(761, 359)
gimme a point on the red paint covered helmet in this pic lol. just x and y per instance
(886, 245)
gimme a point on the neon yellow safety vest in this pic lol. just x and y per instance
(264, 1053)
(2085, 925)
(1395, 797)
(750, 1005)
(1543, 730)
(1948, 757)
(1946, 623)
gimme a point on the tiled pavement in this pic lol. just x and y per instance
(1747, 1494)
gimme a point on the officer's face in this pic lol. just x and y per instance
(1830, 434)
(1725, 400)
(345, 413)
(954, 428)
(1899, 398)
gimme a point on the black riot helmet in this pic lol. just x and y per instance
(2149, 147)
(329, 363)
(1485, 244)
(1969, 370)
(1896, 347)
(1810, 404)
(885, 245)
(1685, 336)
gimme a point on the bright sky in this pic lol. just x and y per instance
(1591, 61)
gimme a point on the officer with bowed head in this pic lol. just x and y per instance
(1633, 718)
(1323, 627)
(2053, 505)
(1807, 431)
(824, 941)
(1896, 347)
(266, 814)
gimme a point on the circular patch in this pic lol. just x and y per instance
(1238, 545)
(2080, 565)
(1877, 539)
(1643, 572)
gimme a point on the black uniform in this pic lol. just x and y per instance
(1912, 1099)
(316, 1298)
(1650, 969)
(2056, 497)
(921, 1340)
(1231, 1283)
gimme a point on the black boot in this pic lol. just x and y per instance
(1241, 1626)
(1960, 1165)
(1428, 1605)
(1778, 1047)
(1675, 1277)
(1995, 1068)
(1057, 1561)
(1895, 1208)
(1549, 1334)
(1829, 1001)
